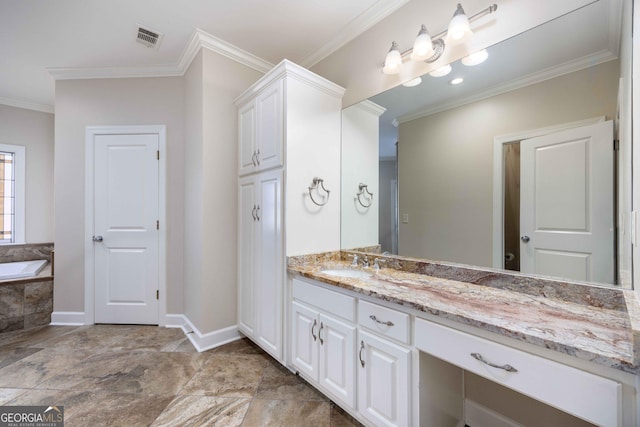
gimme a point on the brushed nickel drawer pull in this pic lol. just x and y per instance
(507, 368)
(360, 353)
(320, 332)
(375, 319)
(315, 323)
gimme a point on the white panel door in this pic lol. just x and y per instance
(247, 138)
(269, 263)
(247, 206)
(383, 386)
(125, 230)
(337, 359)
(270, 136)
(567, 204)
(304, 334)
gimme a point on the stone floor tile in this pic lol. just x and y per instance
(203, 411)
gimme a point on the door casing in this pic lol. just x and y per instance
(89, 267)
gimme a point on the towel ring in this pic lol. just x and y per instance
(368, 195)
(316, 185)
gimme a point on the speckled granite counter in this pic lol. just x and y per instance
(598, 324)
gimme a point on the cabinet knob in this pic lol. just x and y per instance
(525, 239)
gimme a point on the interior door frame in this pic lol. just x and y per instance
(89, 267)
(498, 177)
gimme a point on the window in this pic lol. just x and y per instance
(12, 194)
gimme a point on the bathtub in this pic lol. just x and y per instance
(21, 269)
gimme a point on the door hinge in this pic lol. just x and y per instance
(158, 154)
(157, 294)
(616, 144)
(158, 224)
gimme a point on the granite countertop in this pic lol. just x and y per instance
(606, 333)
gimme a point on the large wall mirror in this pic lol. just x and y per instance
(514, 168)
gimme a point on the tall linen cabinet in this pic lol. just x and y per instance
(289, 130)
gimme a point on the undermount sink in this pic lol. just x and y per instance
(354, 274)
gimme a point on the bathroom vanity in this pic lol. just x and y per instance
(390, 345)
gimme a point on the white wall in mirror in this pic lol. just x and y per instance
(359, 215)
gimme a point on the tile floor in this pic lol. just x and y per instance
(149, 376)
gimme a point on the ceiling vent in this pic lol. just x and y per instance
(148, 37)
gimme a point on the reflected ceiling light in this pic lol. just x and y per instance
(456, 81)
(430, 49)
(475, 58)
(440, 72)
(423, 46)
(459, 29)
(393, 62)
(412, 83)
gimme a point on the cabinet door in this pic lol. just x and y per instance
(383, 381)
(247, 138)
(247, 202)
(269, 263)
(270, 136)
(337, 359)
(304, 339)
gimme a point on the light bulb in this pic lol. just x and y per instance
(459, 29)
(422, 46)
(393, 61)
(456, 81)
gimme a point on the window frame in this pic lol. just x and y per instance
(19, 174)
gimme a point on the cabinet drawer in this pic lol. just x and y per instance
(384, 321)
(591, 397)
(329, 301)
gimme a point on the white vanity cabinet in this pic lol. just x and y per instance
(260, 131)
(591, 397)
(323, 340)
(260, 274)
(288, 134)
(384, 365)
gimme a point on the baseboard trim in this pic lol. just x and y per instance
(176, 321)
(204, 342)
(68, 318)
(477, 415)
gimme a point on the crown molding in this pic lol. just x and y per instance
(202, 39)
(353, 29)
(370, 107)
(199, 40)
(27, 105)
(538, 77)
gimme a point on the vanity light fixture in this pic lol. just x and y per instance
(459, 29)
(456, 81)
(442, 71)
(430, 49)
(393, 62)
(476, 58)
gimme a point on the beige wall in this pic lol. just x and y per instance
(445, 160)
(358, 65)
(81, 103)
(212, 84)
(33, 130)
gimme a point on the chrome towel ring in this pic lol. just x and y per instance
(317, 184)
(364, 194)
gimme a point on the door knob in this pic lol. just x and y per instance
(97, 239)
(525, 239)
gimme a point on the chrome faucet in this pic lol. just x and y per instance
(377, 262)
(355, 257)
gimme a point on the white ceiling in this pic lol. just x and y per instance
(93, 34)
(583, 38)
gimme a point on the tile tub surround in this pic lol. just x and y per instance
(26, 252)
(600, 325)
(146, 375)
(25, 303)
